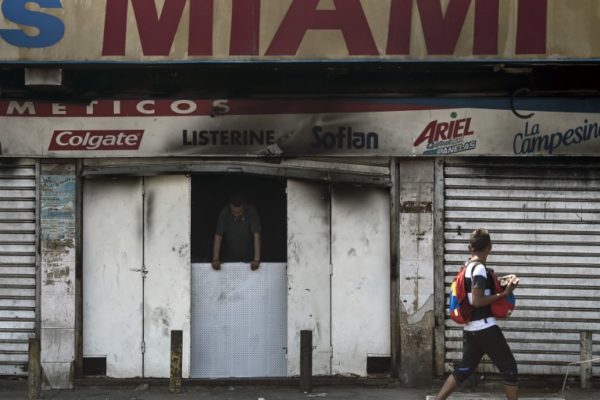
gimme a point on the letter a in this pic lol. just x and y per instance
(303, 15)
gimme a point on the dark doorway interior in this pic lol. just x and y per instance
(211, 192)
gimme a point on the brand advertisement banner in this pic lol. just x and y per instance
(292, 127)
(297, 30)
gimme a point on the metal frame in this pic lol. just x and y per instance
(375, 176)
(395, 333)
(438, 267)
(79, 272)
(38, 255)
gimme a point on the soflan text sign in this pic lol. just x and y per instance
(294, 127)
(257, 30)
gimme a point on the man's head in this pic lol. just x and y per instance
(237, 206)
(480, 241)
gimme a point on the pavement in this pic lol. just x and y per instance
(17, 389)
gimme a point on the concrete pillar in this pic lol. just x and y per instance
(34, 369)
(585, 355)
(57, 258)
(416, 271)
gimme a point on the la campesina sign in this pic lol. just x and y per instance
(272, 30)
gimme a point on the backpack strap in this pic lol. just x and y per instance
(471, 265)
(479, 313)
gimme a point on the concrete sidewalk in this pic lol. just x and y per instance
(15, 390)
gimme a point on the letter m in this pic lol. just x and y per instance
(21, 109)
(442, 31)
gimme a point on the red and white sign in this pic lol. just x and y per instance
(96, 140)
(298, 127)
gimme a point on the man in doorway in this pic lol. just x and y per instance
(481, 334)
(237, 234)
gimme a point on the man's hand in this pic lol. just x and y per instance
(216, 265)
(512, 285)
(254, 265)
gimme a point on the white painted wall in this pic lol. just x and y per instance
(167, 259)
(361, 277)
(112, 289)
(309, 293)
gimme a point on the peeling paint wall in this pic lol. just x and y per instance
(58, 235)
(416, 271)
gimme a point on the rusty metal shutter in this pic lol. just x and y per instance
(17, 264)
(544, 218)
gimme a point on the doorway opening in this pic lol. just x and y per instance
(210, 193)
(239, 316)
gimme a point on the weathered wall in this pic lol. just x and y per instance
(58, 241)
(416, 271)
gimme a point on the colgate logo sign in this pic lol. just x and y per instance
(96, 140)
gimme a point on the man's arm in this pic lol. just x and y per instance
(481, 300)
(216, 263)
(479, 281)
(256, 261)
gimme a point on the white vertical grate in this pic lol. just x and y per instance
(239, 321)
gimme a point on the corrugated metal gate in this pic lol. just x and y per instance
(17, 264)
(544, 218)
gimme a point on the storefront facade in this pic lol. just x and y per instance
(367, 197)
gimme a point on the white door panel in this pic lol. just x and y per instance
(167, 259)
(112, 288)
(309, 273)
(360, 281)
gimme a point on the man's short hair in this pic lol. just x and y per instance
(237, 200)
(480, 240)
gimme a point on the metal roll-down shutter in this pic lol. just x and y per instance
(17, 264)
(544, 220)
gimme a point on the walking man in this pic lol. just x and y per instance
(481, 334)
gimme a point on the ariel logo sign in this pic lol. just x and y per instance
(447, 137)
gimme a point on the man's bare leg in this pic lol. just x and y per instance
(447, 389)
(512, 392)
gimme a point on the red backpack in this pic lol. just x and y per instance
(460, 308)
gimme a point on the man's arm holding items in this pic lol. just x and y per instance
(481, 300)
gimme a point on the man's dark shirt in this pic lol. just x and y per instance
(238, 236)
